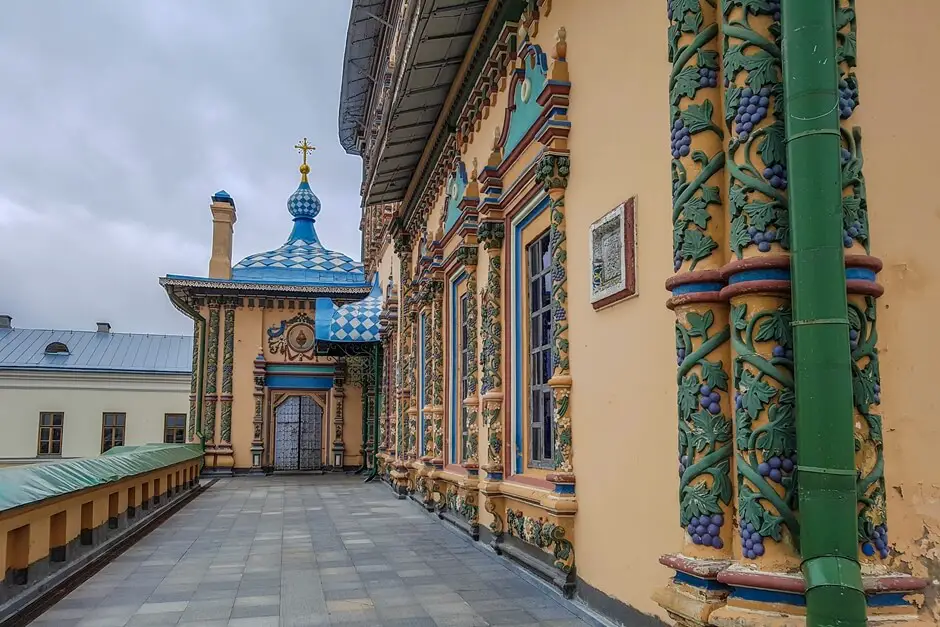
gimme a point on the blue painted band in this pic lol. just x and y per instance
(300, 369)
(699, 582)
(764, 274)
(859, 274)
(298, 382)
(893, 599)
(494, 476)
(769, 596)
(696, 288)
(564, 488)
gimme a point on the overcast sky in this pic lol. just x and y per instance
(118, 120)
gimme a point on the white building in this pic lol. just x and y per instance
(67, 394)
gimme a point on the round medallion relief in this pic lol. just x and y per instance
(526, 90)
(301, 337)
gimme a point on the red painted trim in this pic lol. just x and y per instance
(864, 261)
(699, 276)
(706, 569)
(691, 299)
(763, 262)
(796, 585)
(629, 247)
(755, 287)
(457, 469)
(867, 288)
(531, 481)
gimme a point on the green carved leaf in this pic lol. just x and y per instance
(850, 171)
(739, 236)
(749, 505)
(700, 324)
(739, 317)
(732, 101)
(692, 21)
(754, 7)
(776, 327)
(708, 59)
(688, 395)
(734, 60)
(870, 311)
(698, 118)
(760, 214)
(709, 429)
(779, 438)
(756, 393)
(678, 233)
(696, 210)
(855, 320)
(711, 195)
(743, 425)
(779, 101)
(844, 17)
(851, 208)
(721, 481)
(848, 51)
(863, 386)
(783, 234)
(686, 84)
(738, 198)
(773, 148)
(770, 528)
(699, 157)
(697, 245)
(674, 35)
(714, 375)
(762, 68)
(874, 427)
(697, 500)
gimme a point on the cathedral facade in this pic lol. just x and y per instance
(286, 350)
(644, 288)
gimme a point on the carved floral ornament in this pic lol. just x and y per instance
(295, 339)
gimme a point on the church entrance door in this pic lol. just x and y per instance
(298, 428)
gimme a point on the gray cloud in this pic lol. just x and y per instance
(118, 120)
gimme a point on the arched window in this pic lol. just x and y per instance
(57, 348)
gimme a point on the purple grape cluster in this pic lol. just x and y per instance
(669, 9)
(706, 530)
(773, 9)
(848, 99)
(782, 351)
(877, 397)
(681, 139)
(846, 155)
(677, 263)
(776, 175)
(707, 77)
(853, 339)
(776, 467)
(763, 239)
(751, 111)
(684, 462)
(879, 542)
(709, 399)
(751, 540)
(849, 234)
(680, 352)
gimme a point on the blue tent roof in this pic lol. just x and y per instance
(354, 322)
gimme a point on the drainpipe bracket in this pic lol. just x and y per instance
(832, 570)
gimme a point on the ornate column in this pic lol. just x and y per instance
(225, 455)
(552, 174)
(211, 394)
(391, 381)
(339, 393)
(257, 422)
(404, 371)
(436, 450)
(470, 446)
(194, 384)
(700, 224)
(491, 234)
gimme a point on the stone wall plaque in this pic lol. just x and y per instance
(613, 256)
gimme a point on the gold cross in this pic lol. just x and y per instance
(304, 147)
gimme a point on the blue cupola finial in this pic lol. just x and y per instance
(303, 204)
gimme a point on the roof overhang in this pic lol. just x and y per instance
(191, 286)
(436, 40)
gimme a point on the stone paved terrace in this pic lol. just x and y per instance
(308, 550)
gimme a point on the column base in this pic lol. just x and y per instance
(694, 594)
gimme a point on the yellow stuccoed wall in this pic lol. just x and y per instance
(249, 339)
(895, 79)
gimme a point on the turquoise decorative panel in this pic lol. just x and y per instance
(456, 188)
(525, 93)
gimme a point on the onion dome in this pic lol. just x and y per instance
(302, 259)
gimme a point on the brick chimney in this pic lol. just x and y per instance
(223, 224)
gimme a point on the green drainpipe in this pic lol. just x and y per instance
(825, 433)
(201, 321)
